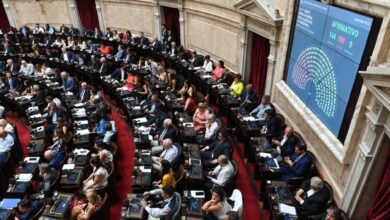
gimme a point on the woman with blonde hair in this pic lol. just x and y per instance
(163, 76)
(199, 119)
(85, 211)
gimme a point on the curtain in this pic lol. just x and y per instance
(380, 205)
(88, 14)
(4, 23)
(259, 63)
(172, 22)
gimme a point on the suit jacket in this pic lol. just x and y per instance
(98, 34)
(27, 31)
(94, 65)
(14, 68)
(298, 169)
(170, 133)
(57, 159)
(316, 203)
(273, 127)
(70, 56)
(9, 50)
(198, 61)
(103, 69)
(251, 97)
(74, 32)
(69, 85)
(129, 58)
(40, 98)
(86, 97)
(60, 114)
(101, 111)
(175, 52)
(35, 207)
(218, 148)
(64, 30)
(143, 41)
(47, 180)
(158, 106)
(16, 85)
(288, 147)
(156, 46)
(109, 34)
(159, 122)
(120, 55)
(117, 74)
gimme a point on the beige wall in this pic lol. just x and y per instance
(135, 16)
(29, 12)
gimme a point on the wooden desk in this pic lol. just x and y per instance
(277, 193)
(192, 207)
(72, 179)
(59, 209)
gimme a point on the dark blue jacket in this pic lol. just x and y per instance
(57, 159)
(35, 207)
(298, 169)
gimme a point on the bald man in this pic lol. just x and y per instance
(26, 68)
(54, 157)
(284, 145)
(6, 144)
(7, 126)
(68, 82)
(84, 93)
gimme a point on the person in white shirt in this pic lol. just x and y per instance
(207, 65)
(169, 153)
(7, 126)
(6, 144)
(170, 204)
(211, 128)
(222, 173)
(260, 109)
(26, 68)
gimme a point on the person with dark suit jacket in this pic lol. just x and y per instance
(153, 105)
(109, 33)
(285, 144)
(173, 51)
(66, 56)
(28, 208)
(25, 30)
(73, 31)
(94, 62)
(46, 177)
(156, 45)
(12, 67)
(248, 98)
(64, 29)
(313, 197)
(121, 54)
(273, 125)
(197, 61)
(97, 33)
(12, 83)
(84, 93)
(54, 157)
(143, 41)
(54, 113)
(158, 121)
(103, 68)
(68, 83)
(120, 74)
(168, 131)
(8, 49)
(101, 110)
(211, 153)
(297, 165)
(38, 95)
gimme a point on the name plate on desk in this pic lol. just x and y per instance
(60, 206)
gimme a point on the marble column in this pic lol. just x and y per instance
(271, 67)
(243, 48)
(157, 20)
(75, 16)
(100, 14)
(182, 26)
(8, 11)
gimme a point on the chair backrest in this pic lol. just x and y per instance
(179, 158)
(39, 213)
(238, 204)
(330, 189)
(56, 180)
(177, 215)
(344, 215)
(229, 185)
(98, 212)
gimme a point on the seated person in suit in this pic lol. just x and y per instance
(54, 113)
(167, 177)
(98, 179)
(84, 93)
(97, 33)
(120, 74)
(297, 165)
(7, 127)
(218, 206)
(54, 157)
(66, 56)
(212, 128)
(170, 204)
(38, 95)
(47, 175)
(231, 215)
(258, 112)
(219, 147)
(85, 211)
(28, 209)
(157, 121)
(8, 49)
(173, 51)
(168, 131)
(218, 71)
(248, 98)
(103, 68)
(221, 173)
(169, 153)
(332, 213)
(156, 45)
(130, 56)
(12, 67)
(94, 62)
(197, 61)
(12, 83)
(273, 126)
(6, 144)
(312, 197)
(237, 86)
(284, 145)
(68, 83)
(100, 111)
(143, 41)
(153, 105)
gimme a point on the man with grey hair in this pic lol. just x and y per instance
(12, 67)
(84, 93)
(6, 144)
(7, 126)
(68, 82)
(211, 129)
(26, 68)
(103, 69)
(312, 197)
(169, 131)
(38, 95)
(169, 153)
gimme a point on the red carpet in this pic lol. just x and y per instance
(23, 133)
(125, 165)
(251, 208)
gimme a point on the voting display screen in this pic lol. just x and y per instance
(326, 51)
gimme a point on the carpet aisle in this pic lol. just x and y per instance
(23, 132)
(125, 165)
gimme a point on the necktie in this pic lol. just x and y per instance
(163, 134)
(101, 68)
(82, 95)
(10, 83)
(122, 75)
